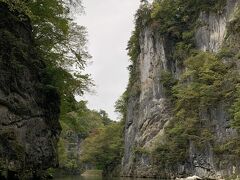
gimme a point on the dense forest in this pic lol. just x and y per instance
(179, 115)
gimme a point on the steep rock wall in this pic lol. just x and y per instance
(149, 112)
(29, 109)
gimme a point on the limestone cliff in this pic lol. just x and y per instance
(29, 108)
(149, 112)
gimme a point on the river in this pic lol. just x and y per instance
(94, 178)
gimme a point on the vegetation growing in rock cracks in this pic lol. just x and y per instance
(208, 80)
(175, 20)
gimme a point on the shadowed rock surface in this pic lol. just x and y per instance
(29, 108)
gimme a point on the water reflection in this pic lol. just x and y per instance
(94, 178)
(80, 178)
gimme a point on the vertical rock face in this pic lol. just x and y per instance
(149, 112)
(210, 36)
(29, 109)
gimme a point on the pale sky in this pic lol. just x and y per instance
(109, 24)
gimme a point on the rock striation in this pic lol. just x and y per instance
(149, 112)
(29, 108)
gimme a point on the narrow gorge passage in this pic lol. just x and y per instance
(174, 114)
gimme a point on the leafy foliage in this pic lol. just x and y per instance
(61, 43)
(104, 147)
(202, 82)
(235, 23)
(206, 82)
(168, 82)
(78, 125)
(176, 20)
(83, 120)
(235, 109)
(105, 119)
(121, 107)
(18, 5)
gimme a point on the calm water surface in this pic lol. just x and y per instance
(93, 178)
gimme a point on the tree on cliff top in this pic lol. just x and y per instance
(60, 41)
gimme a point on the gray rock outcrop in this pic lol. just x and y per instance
(148, 114)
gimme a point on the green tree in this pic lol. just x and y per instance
(60, 42)
(105, 118)
(121, 107)
(104, 147)
(77, 125)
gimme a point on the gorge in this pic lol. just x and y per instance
(180, 113)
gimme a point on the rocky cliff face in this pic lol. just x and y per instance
(29, 109)
(149, 113)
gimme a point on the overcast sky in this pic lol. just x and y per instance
(109, 24)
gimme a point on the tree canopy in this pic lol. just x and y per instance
(60, 42)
